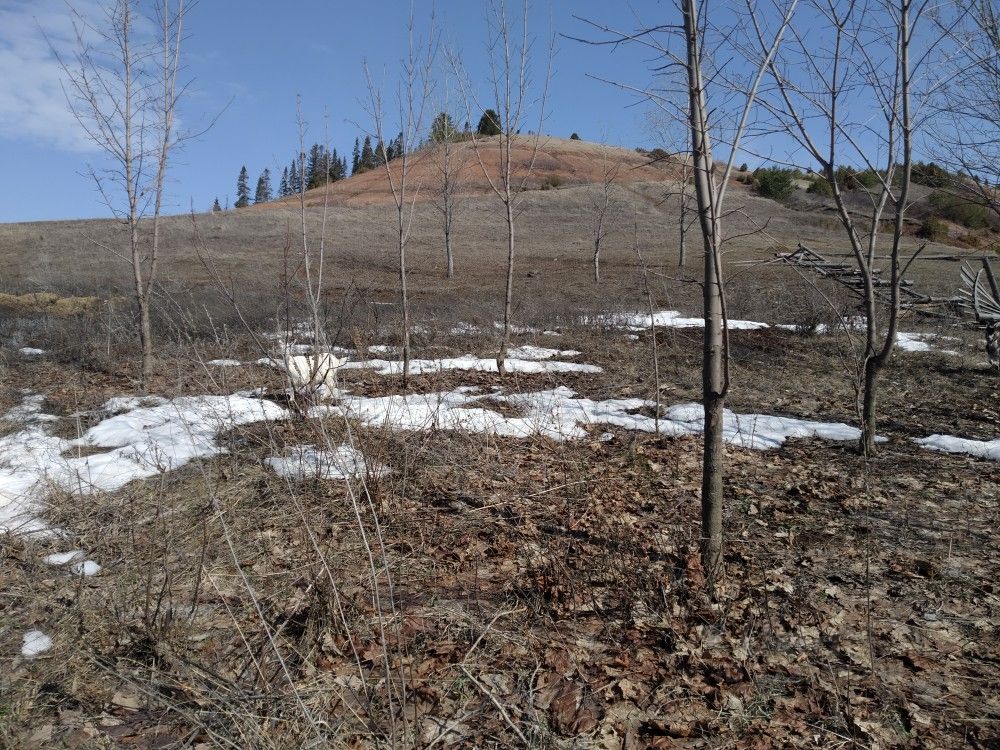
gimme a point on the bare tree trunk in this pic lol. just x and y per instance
(508, 306)
(713, 342)
(682, 250)
(404, 300)
(597, 259)
(449, 253)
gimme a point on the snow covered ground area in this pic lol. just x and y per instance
(306, 461)
(561, 415)
(947, 444)
(666, 319)
(472, 363)
(143, 441)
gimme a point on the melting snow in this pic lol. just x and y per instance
(30, 351)
(667, 319)
(142, 442)
(223, 363)
(86, 568)
(307, 461)
(469, 362)
(63, 558)
(538, 353)
(35, 642)
(947, 444)
(559, 414)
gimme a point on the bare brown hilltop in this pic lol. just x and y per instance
(558, 161)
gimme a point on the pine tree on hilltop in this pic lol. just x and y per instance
(283, 190)
(294, 177)
(443, 128)
(242, 189)
(216, 208)
(367, 160)
(263, 194)
(489, 123)
(355, 158)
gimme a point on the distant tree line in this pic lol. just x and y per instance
(320, 165)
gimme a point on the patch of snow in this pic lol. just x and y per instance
(142, 442)
(920, 342)
(537, 353)
(63, 558)
(118, 404)
(667, 319)
(35, 642)
(307, 461)
(223, 363)
(30, 351)
(561, 415)
(383, 349)
(470, 362)
(29, 411)
(989, 449)
(86, 568)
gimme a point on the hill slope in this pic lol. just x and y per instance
(558, 160)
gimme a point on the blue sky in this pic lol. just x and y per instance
(249, 60)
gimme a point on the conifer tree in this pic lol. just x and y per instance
(283, 189)
(367, 160)
(355, 157)
(294, 177)
(242, 189)
(216, 208)
(263, 194)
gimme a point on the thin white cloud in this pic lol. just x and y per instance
(33, 104)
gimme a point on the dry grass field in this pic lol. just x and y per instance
(481, 579)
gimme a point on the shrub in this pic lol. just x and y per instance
(574, 137)
(933, 229)
(930, 174)
(850, 178)
(744, 167)
(960, 210)
(819, 186)
(774, 183)
(551, 182)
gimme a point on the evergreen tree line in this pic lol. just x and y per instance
(319, 164)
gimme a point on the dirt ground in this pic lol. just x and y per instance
(528, 592)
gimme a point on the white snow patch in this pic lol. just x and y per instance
(921, 342)
(63, 558)
(142, 442)
(667, 319)
(35, 642)
(30, 351)
(223, 363)
(86, 568)
(559, 414)
(307, 461)
(989, 449)
(469, 362)
(538, 353)
(118, 404)
(383, 349)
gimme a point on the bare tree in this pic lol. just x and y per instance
(966, 129)
(446, 199)
(605, 206)
(123, 89)
(704, 123)
(413, 93)
(844, 92)
(511, 92)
